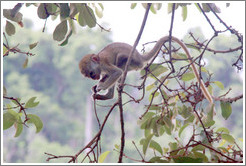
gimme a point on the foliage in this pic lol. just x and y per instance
(206, 7)
(81, 12)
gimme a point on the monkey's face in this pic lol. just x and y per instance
(90, 68)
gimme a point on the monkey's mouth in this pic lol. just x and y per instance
(95, 77)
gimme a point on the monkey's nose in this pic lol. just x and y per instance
(95, 77)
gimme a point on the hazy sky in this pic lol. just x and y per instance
(125, 22)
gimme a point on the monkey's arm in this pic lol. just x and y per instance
(114, 73)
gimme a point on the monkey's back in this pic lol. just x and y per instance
(120, 53)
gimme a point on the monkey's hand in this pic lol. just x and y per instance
(95, 95)
(109, 95)
(95, 89)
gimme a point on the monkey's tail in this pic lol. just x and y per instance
(156, 49)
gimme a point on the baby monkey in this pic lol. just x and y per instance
(110, 62)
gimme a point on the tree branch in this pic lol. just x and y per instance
(120, 90)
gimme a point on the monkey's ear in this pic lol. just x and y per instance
(95, 58)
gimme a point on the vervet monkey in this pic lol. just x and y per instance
(110, 62)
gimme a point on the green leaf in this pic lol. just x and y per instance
(101, 5)
(18, 99)
(187, 160)
(226, 109)
(4, 91)
(86, 16)
(157, 160)
(9, 28)
(51, 8)
(228, 138)
(198, 148)
(215, 8)
(153, 96)
(173, 145)
(99, 13)
(200, 155)
(157, 69)
(65, 10)
(223, 130)
(80, 19)
(205, 7)
(36, 121)
(152, 9)
(73, 10)
(133, 5)
(190, 119)
(203, 69)
(7, 14)
(4, 50)
(196, 4)
(188, 76)
(43, 11)
(90, 18)
(184, 12)
(210, 89)
(144, 5)
(25, 63)
(103, 156)
(31, 46)
(161, 130)
(193, 46)
(168, 122)
(30, 103)
(154, 107)
(13, 112)
(176, 55)
(169, 8)
(208, 122)
(182, 128)
(158, 6)
(29, 4)
(143, 122)
(185, 112)
(154, 145)
(149, 87)
(19, 127)
(71, 26)
(117, 146)
(149, 115)
(8, 120)
(66, 40)
(146, 142)
(219, 84)
(210, 111)
(60, 31)
(154, 127)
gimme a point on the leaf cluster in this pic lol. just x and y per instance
(20, 118)
(68, 13)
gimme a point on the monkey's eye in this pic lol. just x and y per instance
(92, 74)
